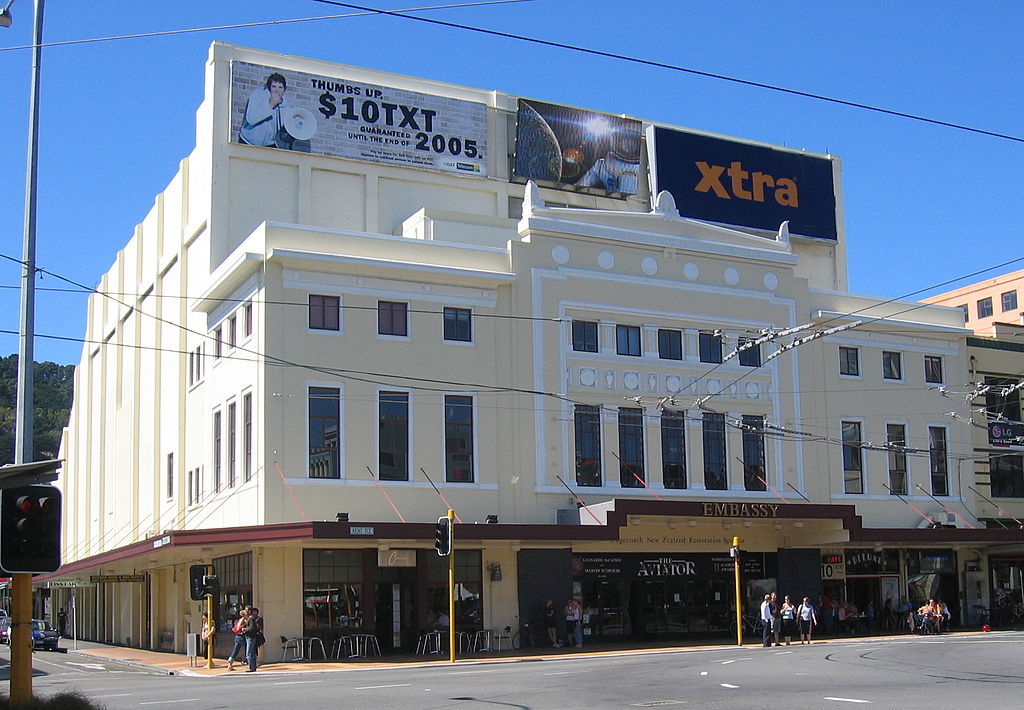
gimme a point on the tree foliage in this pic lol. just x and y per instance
(53, 392)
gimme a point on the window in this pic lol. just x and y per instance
(1006, 474)
(853, 464)
(967, 312)
(750, 356)
(194, 485)
(710, 346)
(587, 424)
(232, 331)
(332, 590)
(218, 343)
(458, 438)
(933, 369)
(247, 436)
(324, 312)
(232, 449)
(714, 451)
(170, 475)
(631, 447)
(673, 449)
(627, 340)
(892, 365)
(1001, 400)
(458, 325)
(985, 307)
(393, 440)
(195, 366)
(217, 453)
(247, 320)
(392, 318)
(1009, 301)
(468, 592)
(670, 344)
(584, 336)
(896, 437)
(324, 422)
(849, 361)
(938, 460)
(754, 474)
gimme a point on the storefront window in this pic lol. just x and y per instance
(931, 574)
(468, 590)
(235, 573)
(332, 585)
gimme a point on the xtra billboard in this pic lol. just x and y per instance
(747, 185)
(571, 146)
(352, 119)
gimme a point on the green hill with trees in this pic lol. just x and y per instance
(54, 391)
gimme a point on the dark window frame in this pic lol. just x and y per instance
(985, 307)
(709, 346)
(458, 438)
(458, 324)
(670, 344)
(754, 461)
(393, 318)
(933, 373)
(631, 447)
(673, 449)
(324, 312)
(849, 361)
(853, 458)
(323, 416)
(938, 460)
(628, 340)
(716, 473)
(1008, 300)
(896, 438)
(892, 365)
(584, 336)
(751, 356)
(393, 422)
(587, 438)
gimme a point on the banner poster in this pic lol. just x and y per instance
(642, 565)
(742, 184)
(571, 146)
(339, 117)
(1006, 435)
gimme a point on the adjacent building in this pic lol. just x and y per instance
(609, 345)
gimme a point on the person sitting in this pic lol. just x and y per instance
(944, 614)
(930, 617)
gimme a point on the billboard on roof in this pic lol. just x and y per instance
(737, 183)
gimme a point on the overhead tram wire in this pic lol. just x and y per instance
(686, 70)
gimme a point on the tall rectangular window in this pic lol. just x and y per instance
(458, 324)
(324, 422)
(750, 355)
(754, 474)
(892, 365)
(849, 361)
(1006, 476)
(232, 331)
(218, 343)
(232, 446)
(896, 437)
(247, 436)
(627, 340)
(673, 449)
(709, 345)
(715, 478)
(937, 455)
(170, 475)
(967, 311)
(985, 307)
(584, 336)
(247, 321)
(587, 425)
(324, 312)
(217, 451)
(631, 447)
(933, 369)
(194, 485)
(393, 439)
(458, 438)
(670, 344)
(1009, 301)
(392, 318)
(853, 463)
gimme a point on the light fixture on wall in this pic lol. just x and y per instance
(747, 523)
(726, 525)
(342, 517)
(777, 526)
(692, 523)
(491, 519)
(495, 569)
(672, 524)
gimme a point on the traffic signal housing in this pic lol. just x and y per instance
(30, 518)
(196, 582)
(443, 536)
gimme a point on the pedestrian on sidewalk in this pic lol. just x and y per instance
(238, 628)
(254, 638)
(207, 633)
(574, 622)
(808, 620)
(766, 619)
(549, 622)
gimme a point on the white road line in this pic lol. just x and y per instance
(375, 687)
(703, 672)
(112, 695)
(297, 682)
(733, 660)
(559, 673)
(471, 672)
(847, 700)
(728, 685)
(167, 702)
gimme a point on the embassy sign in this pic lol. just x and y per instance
(742, 184)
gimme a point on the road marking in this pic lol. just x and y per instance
(559, 673)
(728, 685)
(297, 682)
(703, 672)
(781, 653)
(113, 695)
(725, 663)
(167, 702)
(847, 700)
(375, 687)
(471, 672)
(94, 666)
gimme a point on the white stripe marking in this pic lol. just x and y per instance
(728, 685)
(165, 702)
(558, 673)
(375, 687)
(113, 695)
(471, 672)
(847, 700)
(703, 672)
(298, 682)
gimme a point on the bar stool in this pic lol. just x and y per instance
(502, 635)
(482, 640)
(464, 641)
(429, 642)
(341, 644)
(311, 640)
(295, 644)
(366, 644)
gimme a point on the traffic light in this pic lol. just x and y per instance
(211, 585)
(30, 529)
(443, 536)
(197, 582)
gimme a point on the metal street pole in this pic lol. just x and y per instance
(739, 603)
(21, 632)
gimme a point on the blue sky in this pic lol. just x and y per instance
(923, 204)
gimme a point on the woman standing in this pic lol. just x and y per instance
(239, 628)
(549, 622)
(788, 614)
(207, 633)
(808, 620)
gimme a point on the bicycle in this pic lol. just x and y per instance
(752, 624)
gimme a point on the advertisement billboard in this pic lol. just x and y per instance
(570, 146)
(742, 184)
(1006, 435)
(336, 116)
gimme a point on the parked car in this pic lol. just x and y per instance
(44, 636)
(5, 629)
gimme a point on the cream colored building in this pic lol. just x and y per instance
(324, 347)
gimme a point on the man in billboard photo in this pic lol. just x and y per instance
(262, 121)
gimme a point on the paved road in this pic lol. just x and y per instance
(969, 671)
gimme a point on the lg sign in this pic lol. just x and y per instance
(742, 184)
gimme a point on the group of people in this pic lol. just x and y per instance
(932, 616)
(248, 631)
(787, 620)
(573, 622)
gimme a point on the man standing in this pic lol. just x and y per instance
(776, 619)
(253, 638)
(766, 619)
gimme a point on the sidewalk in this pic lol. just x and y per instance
(179, 664)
